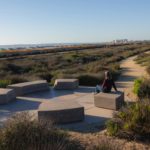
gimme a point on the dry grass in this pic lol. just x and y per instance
(100, 141)
(23, 132)
(71, 64)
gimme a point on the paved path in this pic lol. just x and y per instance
(94, 117)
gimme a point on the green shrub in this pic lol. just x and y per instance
(137, 84)
(90, 79)
(17, 79)
(22, 132)
(112, 127)
(142, 88)
(15, 69)
(4, 83)
(45, 76)
(132, 122)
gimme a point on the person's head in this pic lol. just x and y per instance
(108, 75)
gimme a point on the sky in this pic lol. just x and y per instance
(73, 21)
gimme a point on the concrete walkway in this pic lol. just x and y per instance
(94, 117)
(83, 95)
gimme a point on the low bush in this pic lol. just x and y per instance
(137, 84)
(90, 79)
(45, 76)
(17, 79)
(131, 122)
(4, 83)
(113, 127)
(22, 132)
(142, 88)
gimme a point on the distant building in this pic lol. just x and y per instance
(121, 41)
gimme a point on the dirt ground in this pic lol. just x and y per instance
(130, 71)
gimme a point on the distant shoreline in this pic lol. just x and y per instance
(23, 46)
(17, 52)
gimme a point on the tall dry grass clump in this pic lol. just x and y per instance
(104, 143)
(22, 132)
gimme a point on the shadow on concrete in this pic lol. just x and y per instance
(52, 93)
(91, 124)
(19, 105)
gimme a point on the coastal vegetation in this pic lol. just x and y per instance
(142, 88)
(132, 122)
(23, 132)
(87, 65)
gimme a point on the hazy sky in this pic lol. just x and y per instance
(52, 21)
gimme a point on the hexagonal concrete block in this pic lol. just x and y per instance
(113, 100)
(66, 84)
(29, 87)
(61, 111)
(6, 95)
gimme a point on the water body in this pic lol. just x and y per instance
(20, 46)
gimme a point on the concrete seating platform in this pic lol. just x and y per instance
(61, 111)
(29, 87)
(7, 95)
(113, 100)
(66, 84)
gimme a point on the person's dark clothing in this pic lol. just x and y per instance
(107, 85)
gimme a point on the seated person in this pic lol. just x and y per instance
(107, 85)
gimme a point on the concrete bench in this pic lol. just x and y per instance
(113, 100)
(7, 95)
(61, 111)
(29, 87)
(66, 84)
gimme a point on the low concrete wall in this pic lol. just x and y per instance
(61, 111)
(29, 87)
(7, 95)
(114, 100)
(66, 84)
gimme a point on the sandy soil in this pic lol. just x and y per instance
(130, 71)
